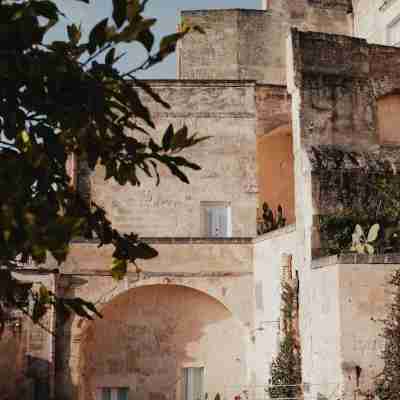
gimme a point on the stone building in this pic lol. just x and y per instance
(302, 100)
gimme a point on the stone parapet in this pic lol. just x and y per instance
(354, 258)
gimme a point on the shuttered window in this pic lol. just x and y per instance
(193, 383)
(114, 394)
(106, 394)
(217, 220)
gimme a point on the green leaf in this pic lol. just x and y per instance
(119, 269)
(358, 233)
(146, 38)
(110, 57)
(180, 139)
(167, 138)
(370, 249)
(119, 12)
(98, 36)
(178, 173)
(133, 9)
(168, 43)
(373, 233)
(46, 8)
(149, 90)
(360, 248)
(74, 34)
(145, 252)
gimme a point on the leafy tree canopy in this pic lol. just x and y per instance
(68, 97)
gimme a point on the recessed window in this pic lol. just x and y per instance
(193, 383)
(114, 394)
(216, 218)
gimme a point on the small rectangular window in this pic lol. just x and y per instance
(216, 219)
(114, 394)
(193, 383)
(106, 394)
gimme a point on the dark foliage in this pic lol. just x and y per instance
(270, 222)
(63, 98)
(286, 367)
(375, 199)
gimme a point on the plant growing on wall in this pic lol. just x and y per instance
(286, 367)
(388, 382)
(363, 244)
(270, 221)
(375, 200)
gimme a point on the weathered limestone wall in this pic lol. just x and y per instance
(372, 19)
(389, 119)
(219, 269)
(270, 252)
(226, 112)
(250, 44)
(157, 331)
(336, 83)
(175, 255)
(351, 297)
(27, 350)
(12, 361)
(273, 106)
(343, 87)
(297, 6)
(365, 298)
(324, 334)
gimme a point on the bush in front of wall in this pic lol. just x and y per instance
(286, 367)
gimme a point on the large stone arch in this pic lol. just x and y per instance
(214, 286)
(150, 332)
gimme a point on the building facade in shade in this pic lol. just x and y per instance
(301, 100)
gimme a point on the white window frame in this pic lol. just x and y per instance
(206, 206)
(114, 392)
(184, 388)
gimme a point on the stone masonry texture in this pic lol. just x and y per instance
(301, 100)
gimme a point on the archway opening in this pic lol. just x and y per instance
(275, 163)
(162, 342)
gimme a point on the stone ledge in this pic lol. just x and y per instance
(182, 240)
(149, 274)
(197, 240)
(276, 233)
(198, 83)
(216, 115)
(351, 258)
(36, 271)
(205, 12)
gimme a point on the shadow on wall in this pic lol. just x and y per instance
(149, 334)
(275, 163)
(22, 377)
